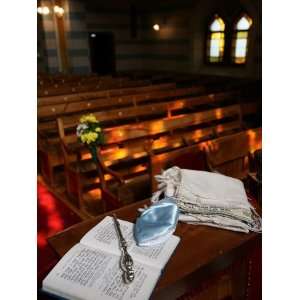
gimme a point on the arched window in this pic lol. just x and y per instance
(240, 39)
(215, 49)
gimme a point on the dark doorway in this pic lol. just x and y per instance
(102, 52)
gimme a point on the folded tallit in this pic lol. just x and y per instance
(208, 198)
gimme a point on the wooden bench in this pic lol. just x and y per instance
(117, 83)
(230, 154)
(226, 155)
(69, 98)
(51, 80)
(137, 141)
(130, 105)
(51, 155)
(69, 82)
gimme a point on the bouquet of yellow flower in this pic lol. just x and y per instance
(90, 133)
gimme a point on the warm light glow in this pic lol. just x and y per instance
(138, 169)
(138, 155)
(59, 11)
(156, 127)
(94, 194)
(159, 143)
(156, 27)
(86, 155)
(197, 134)
(43, 10)
(254, 140)
(219, 113)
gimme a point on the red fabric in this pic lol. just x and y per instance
(52, 216)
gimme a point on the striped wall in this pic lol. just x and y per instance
(50, 42)
(168, 49)
(179, 45)
(77, 37)
(128, 51)
(42, 64)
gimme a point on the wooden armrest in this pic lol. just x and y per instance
(110, 201)
(109, 171)
(115, 174)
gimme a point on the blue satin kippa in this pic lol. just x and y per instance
(156, 223)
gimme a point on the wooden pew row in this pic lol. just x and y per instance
(102, 94)
(50, 81)
(63, 89)
(245, 142)
(132, 106)
(115, 83)
(50, 148)
(130, 115)
(70, 80)
(119, 134)
(48, 128)
(173, 129)
(231, 155)
(50, 155)
(75, 82)
(227, 154)
(230, 160)
(140, 172)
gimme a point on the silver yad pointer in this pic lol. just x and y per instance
(126, 262)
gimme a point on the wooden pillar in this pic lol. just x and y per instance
(62, 44)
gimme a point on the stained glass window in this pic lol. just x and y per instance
(215, 51)
(240, 40)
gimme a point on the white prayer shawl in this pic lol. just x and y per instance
(208, 198)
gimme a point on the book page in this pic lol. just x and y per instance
(104, 236)
(89, 274)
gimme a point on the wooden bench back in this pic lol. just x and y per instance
(137, 109)
(70, 98)
(190, 157)
(74, 80)
(225, 154)
(94, 85)
(54, 110)
(104, 93)
(150, 130)
(229, 154)
(134, 109)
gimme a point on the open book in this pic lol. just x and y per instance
(91, 269)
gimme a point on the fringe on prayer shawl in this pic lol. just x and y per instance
(231, 211)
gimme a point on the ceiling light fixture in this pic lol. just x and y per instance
(156, 27)
(43, 10)
(59, 11)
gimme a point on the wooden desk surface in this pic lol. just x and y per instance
(199, 245)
